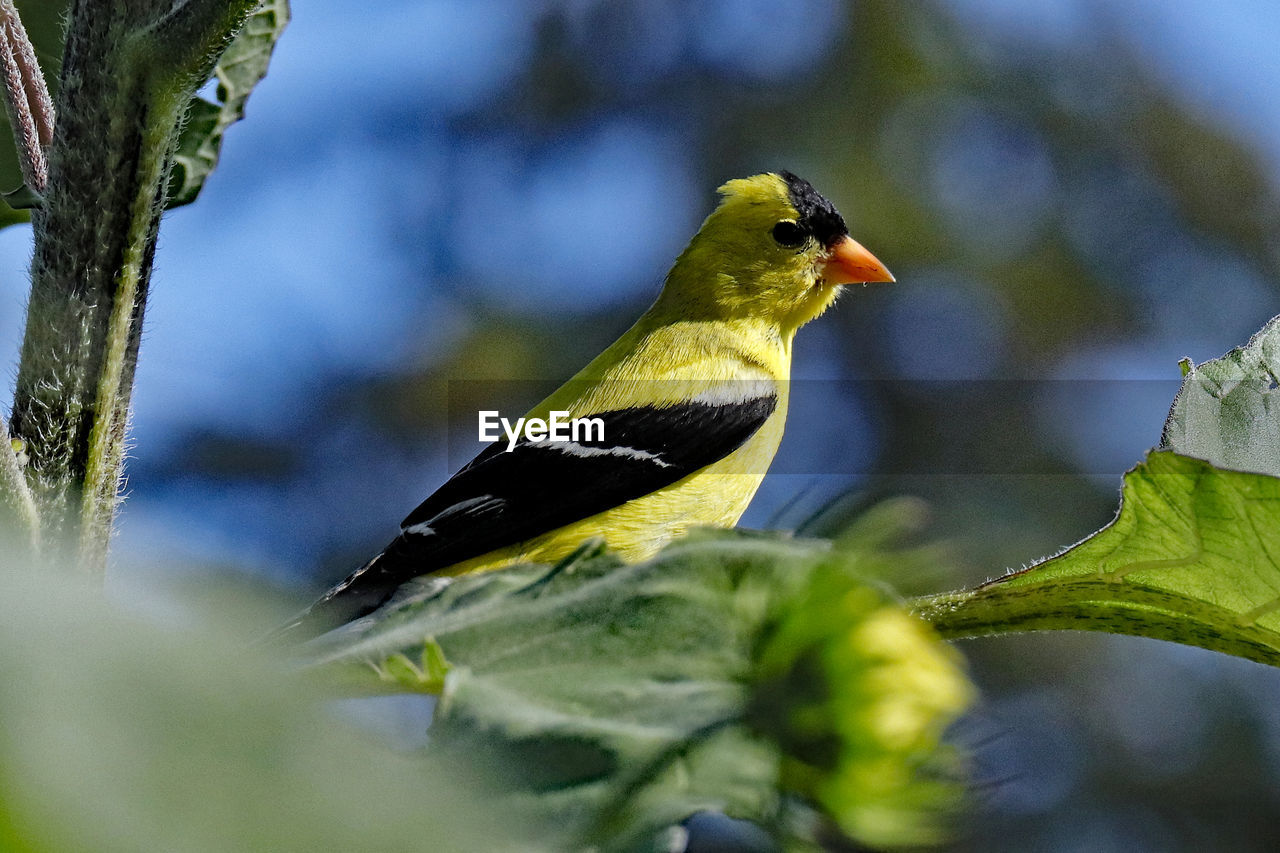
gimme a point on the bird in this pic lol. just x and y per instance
(692, 400)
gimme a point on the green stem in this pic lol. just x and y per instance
(194, 33)
(1095, 604)
(122, 98)
(104, 459)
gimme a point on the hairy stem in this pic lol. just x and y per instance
(194, 33)
(121, 102)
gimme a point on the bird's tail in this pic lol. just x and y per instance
(341, 604)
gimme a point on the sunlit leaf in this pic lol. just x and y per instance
(1193, 557)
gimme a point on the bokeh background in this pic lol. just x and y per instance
(1073, 194)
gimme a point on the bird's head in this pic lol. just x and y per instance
(774, 249)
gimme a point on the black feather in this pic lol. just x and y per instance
(817, 215)
(501, 498)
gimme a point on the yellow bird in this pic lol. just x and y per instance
(692, 400)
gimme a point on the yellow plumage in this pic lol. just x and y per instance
(695, 393)
(728, 313)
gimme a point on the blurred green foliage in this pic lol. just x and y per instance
(736, 673)
(858, 696)
(120, 735)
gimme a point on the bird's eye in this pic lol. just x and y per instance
(789, 234)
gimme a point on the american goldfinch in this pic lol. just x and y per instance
(692, 400)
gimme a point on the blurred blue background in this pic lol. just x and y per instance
(1073, 195)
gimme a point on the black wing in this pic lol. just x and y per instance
(503, 497)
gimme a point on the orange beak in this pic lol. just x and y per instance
(849, 262)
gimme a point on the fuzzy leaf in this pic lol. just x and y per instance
(1228, 410)
(615, 701)
(241, 67)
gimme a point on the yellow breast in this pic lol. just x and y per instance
(711, 363)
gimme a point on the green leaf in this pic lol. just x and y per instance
(23, 198)
(116, 735)
(241, 67)
(1228, 410)
(13, 216)
(731, 672)
(1193, 556)
(427, 676)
